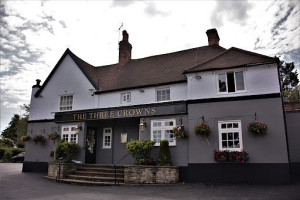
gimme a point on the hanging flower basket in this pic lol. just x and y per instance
(53, 136)
(202, 129)
(179, 132)
(25, 138)
(257, 128)
(231, 156)
(39, 138)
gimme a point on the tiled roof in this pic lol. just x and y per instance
(230, 58)
(154, 70)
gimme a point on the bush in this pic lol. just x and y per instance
(7, 156)
(66, 151)
(164, 155)
(140, 150)
(6, 142)
(15, 151)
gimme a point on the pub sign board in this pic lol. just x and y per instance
(121, 112)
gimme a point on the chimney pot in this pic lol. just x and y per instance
(37, 85)
(213, 37)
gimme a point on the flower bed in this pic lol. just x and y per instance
(231, 156)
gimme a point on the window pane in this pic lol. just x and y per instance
(230, 81)
(239, 78)
(223, 126)
(229, 125)
(235, 125)
(222, 83)
(224, 136)
(230, 136)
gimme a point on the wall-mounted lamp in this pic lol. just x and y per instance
(78, 128)
(142, 125)
(141, 91)
(198, 77)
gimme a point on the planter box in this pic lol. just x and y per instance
(145, 174)
(65, 169)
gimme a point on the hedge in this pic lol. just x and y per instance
(15, 151)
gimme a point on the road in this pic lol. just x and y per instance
(32, 186)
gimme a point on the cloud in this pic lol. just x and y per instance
(236, 11)
(122, 3)
(151, 10)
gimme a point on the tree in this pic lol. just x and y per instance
(18, 125)
(288, 76)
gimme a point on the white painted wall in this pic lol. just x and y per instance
(68, 79)
(113, 99)
(258, 80)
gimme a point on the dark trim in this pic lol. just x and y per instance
(284, 115)
(270, 173)
(142, 86)
(233, 67)
(239, 98)
(40, 121)
(41, 167)
(67, 52)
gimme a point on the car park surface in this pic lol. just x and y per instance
(17, 185)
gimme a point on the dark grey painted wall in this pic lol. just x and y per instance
(179, 153)
(269, 148)
(40, 152)
(293, 129)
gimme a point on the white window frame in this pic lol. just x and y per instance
(163, 128)
(235, 87)
(104, 146)
(65, 106)
(230, 130)
(127, 96)
(162, 89)
(71, 131)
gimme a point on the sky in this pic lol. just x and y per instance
(34, 34)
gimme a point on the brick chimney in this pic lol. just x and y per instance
(213, 37)
(124, 49)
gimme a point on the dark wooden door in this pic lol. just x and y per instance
(91, 146)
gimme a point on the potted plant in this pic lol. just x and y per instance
(257, 128)
(202, 129)
(231, 156)
(179, 132)
(39, 138)
(53, 136)
(25, 138)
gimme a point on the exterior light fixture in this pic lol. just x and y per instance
(78, 128)
(198, 77)
(141, 90)
(142, 125)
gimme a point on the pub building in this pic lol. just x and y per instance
(103, 108)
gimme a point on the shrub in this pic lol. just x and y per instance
(25, 138)
(140, 150)
(164, 155)
(202, 129)
(6, 142)
(20, 144)
(66, 150)
(2, 151)
(7, 156)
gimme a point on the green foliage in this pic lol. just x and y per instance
(39, 138)
(288, 76)
(293, 94)
(179, 132)
(66, 150)
(11, 131)
(53, 136)
(7, 156)
(202, 129)
(257, 127)
(140, 150)
(6, 142)
(164, 155)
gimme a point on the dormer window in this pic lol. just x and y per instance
(66, 103)
(229, 82)
(125, 97)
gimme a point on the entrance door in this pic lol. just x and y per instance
(91, 144)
